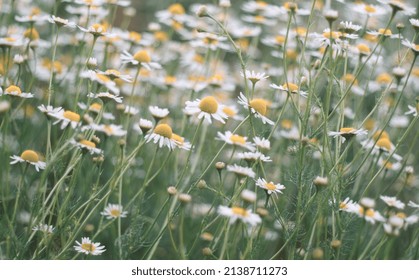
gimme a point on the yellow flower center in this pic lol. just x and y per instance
(176, 25)
(88, 143)
(237, 139)
(95, 107)
(290, 6)
(259, 18)
(347, 130)
(209, 105)
(176, 9)
(262, 4)
(71, 116)
(168, 80)
(270, 186)
(160, 36)
(178, 138)
(210, 41)
(368, 213)
(113, 73)
(108, 129)
(385, 32)
(363, 48)
(369, 124)
(349, 78)
(97, 27)
(134, 36)
(199, 59)
(287, 124)
(401, 215)
(31, 34)
(280, 39)
(388, 165)
(384, 135)
(142, 56)
(103, 78)
(88, 247)
(259, 105)
(370, 9)
(333, 34)
(30, 156)
(384, 143)
(240, 211)
(343, 205)
(229, 112)
(301, 31)
(415, 71)
(383, 78)
(290, 86)
(13, 89)
(164, 130)
(115, 213)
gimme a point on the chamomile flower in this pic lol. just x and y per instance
(31, 157)
(100, 79)
(88, 247)
(207, 108)
(413, 205)
(347, 132)
(262, 143)
(66, 117)
(238, 213)
(145, 125)
(113, 211)
(241, 171)
(86, 146)
(392, 202)
(61, 22)
(369, 214)
(235, 139)
(398, 5)
(108, 129)
(347, 205)
(257, 106)
(270, 187)
(49, 110)
(158, 113)
(16, 91)
(414, 47)
(162, 134)
(47, 229)
(106, 96)
(115, 74)
(253, 76)
(96, 30)
(253, 157)
(369, 10)
(141, 57)
(290, 88)
(181, 143)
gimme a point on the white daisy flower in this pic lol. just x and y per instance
(66, 117)
(262, 143)
(88, 247)
(369, 10)
(257, 106)
(47, 229)
(253, 156)
(381, 145)
(113, 211)
(398, 5)
(141, 57)
(253, 76)
(210, 41)
(235, 139)
(180, 142)
(290, 88)
(106, 96)
(349, 27)
(144, 126)
(392, 202)
(158, 113)
(270, 187)
(86, 146)
(370, 215)
(16, 91)
(413, 205)
(238, 213)
(100, 79)
(162, 134)
(347, 132)
(30, 157)
(130, 110)
(115, 74)
(96, 30)
(241, 171)
(108, 129)
(393, 225)
(61, 22)
(207, 108)
(415, 23)
(248, 196)
(49, 110)
(347, 205)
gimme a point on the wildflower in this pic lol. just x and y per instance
(235, 139)
(248, 196)
(206, 108)
(61, 22)
(66, 117)
(47, 229)
(412, 46)
(241, 171)
(412, 110)
(16, 91)
(180, 142)
(109, 130)
(30, 157)
(253, 76)
(290, 88)
(262, 143)
(106, 96)
(347, 205)
(347, 133)
(369, 10)
(86, 146)
(253, 157)
(349, 27)
(235, 213)
(370, 215)
(162, 134)
(96, 30)
(113, 211)
(392, 202)
(145, 125)
(100, 79)
(49, 110)
(270, 187)
(398, 5)
(415, 23)
(412, 204)
(257, 106)
(141, 57)
(209, 41)
(158, 113)
(115, 74)
(88, 247)
(393, 225)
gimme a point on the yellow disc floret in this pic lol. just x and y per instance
(259, 105)
(30, 156)
(164, 130)
(13, 89)
(240, 211)
(71, 116)
(237, 139)
(142, 56)
(208, 104)
(176, 9)
(384, 143)
(88, 143)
